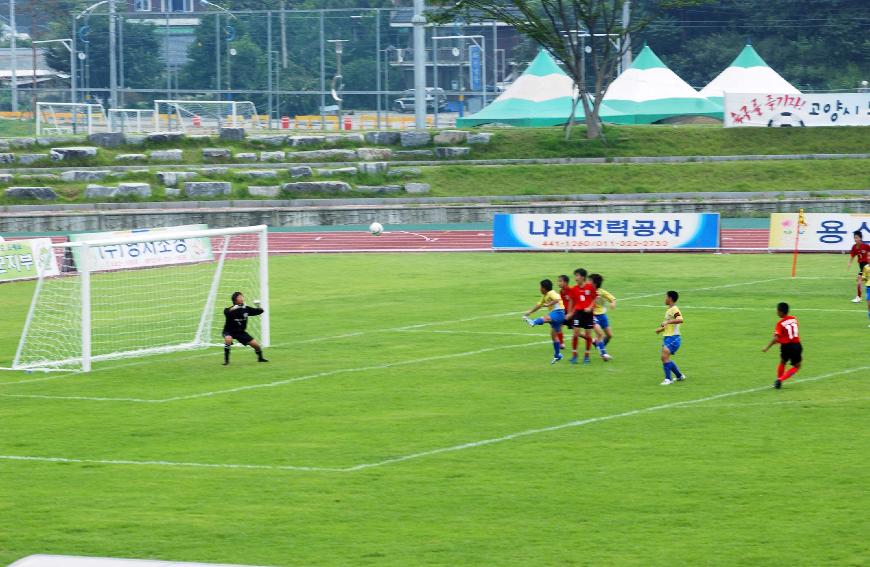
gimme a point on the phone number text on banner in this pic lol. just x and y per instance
(830, 232)
(635, 231)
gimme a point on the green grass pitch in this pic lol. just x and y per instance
(409, 417)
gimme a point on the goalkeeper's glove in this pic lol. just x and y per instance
(257, 302)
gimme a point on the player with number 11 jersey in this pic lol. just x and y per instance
(787, 334)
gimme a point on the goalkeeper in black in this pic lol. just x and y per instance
(236, 323)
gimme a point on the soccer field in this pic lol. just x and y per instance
(409, 417)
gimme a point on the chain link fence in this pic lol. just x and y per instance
(301, 69)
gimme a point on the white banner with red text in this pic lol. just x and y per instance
(797, 110)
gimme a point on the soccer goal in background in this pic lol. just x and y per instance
(132, 120)
(69, 118)
(142, 293)
(192, 116)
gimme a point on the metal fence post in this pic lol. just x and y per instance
(322, 73)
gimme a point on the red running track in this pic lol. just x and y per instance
(438, 241)
(441, 241)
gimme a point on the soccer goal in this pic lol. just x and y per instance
(132, 120)
(69, 118)
(143, 293)
(204, 115)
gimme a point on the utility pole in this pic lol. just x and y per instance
(113, 56)
(283, 34)
(626, 21)
(14, 59)
(419, 22)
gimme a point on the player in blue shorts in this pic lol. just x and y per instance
(556, 317)
(670, 329)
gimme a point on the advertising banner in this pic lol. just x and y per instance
(144, 254)
(475, 68)
(629, 231)
(831, 232)
(27, 259)
(796, 110)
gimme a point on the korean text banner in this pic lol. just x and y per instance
(144, 254)
(824, 231)
(771, 109)
(27, 259)
(635, 231)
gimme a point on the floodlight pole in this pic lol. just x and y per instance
(14, 59)
(419, 23)
(113, 57)
(482, 47)
(338, 80)
(217, 41)
(113, 66)
(68, 43)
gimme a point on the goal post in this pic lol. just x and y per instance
(69, 118)
(205, 115)
(143, 293)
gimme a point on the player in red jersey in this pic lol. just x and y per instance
(582, 319)
(861, 251)
(567, 299)
(787, 335)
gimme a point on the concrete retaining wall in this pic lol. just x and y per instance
(227, 213)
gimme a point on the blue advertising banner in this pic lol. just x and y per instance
(608, 231)
(475, 68)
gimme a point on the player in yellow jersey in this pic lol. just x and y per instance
(670, 329)
(865, 278)
(556, 317)
(603, 333)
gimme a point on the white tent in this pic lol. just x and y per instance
(542, 96)
(648, 92)
(747, 74)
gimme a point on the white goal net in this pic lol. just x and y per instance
(69, 118)
(193, 116)
(155, 292)
(131, 120)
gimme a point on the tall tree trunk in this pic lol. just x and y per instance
(593, 125)
(571, 120)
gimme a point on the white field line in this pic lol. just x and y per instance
(408, 328)
(393, 329)
(440, 332)
(278, 382)
(725, 286)
(767, 307)
(834, 402)
(432, 452)
(149, 360)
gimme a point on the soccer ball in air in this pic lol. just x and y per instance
(376, 228)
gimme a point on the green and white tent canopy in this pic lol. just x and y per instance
(747, 74)
(541, 96)
(648, 92)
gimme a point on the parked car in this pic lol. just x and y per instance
(406, 102)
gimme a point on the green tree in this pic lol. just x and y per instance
(557, 26)
(814, 44)
(140, 52)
